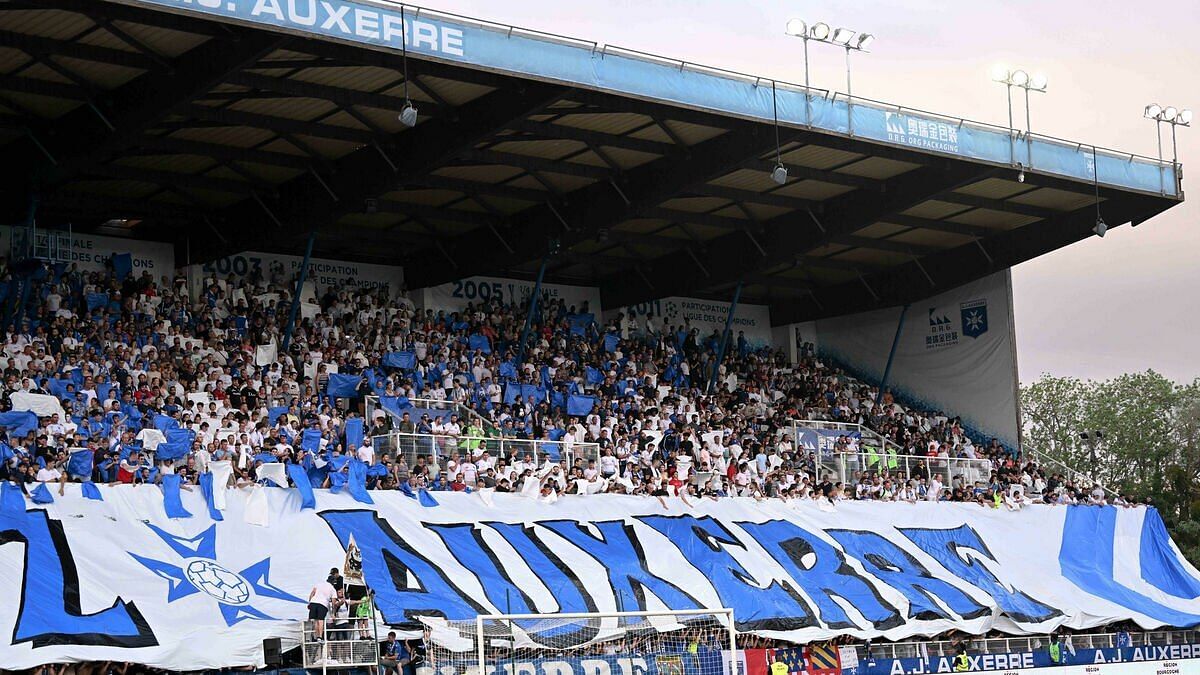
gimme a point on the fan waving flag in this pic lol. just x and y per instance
(580, 405)
(80, 463)
(401, 360)
(343, 386)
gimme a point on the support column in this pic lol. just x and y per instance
(533, 304)
(291, 324)
(725, 337)
(887, 370)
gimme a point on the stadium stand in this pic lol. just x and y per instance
(128, 369)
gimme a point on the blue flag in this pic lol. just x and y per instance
(80, 463)
(298, 475)
(580, 405)
(165, 423)
(171, 451)
(41, 495)
(343, 386)
(18, 423)
(171, 501)
(354, 432)
(357, 482)
(122, 265)
(401, 360)
(206, 488)
(508, 370)
(426, 499)
(11, 500)
(610, 342)
(594, 376)
(90, 491)
(480, 343)
(310, 440)
(96, 301)
(273, 414)
(395, 404)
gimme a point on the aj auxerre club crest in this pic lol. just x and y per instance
(199, 572)
(974, 318)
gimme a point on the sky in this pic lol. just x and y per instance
(1096, 309)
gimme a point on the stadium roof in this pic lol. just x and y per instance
(224, 127)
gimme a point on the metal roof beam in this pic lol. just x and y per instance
(1004, 205)
(339, 95)
(733, 256)
(242, 118)
(470, 187)
(940, 225)
(566, 132)
(165, 145)
(766, 198)
(123, 172)
(914, 250)
(27, 85)
(700, 218)
(796, 171)
(530, 163)
(76, 50)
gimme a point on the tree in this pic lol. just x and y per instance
(1150, 445)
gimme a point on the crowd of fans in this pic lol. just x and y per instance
(128, 358)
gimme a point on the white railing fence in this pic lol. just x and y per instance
(435, 449)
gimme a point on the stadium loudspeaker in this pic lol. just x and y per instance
(272, 652)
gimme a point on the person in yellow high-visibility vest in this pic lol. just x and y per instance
(891, 459)
(872, 457)
(961, 663)
(778, 667)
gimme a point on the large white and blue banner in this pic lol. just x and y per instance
(957, 353)
(707, 315)
(456, 295)
(118, 579)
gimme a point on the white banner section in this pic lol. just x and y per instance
(456, 295)
(322, 273)
(754, 321)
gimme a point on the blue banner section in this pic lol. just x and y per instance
(608, 68)
(1023, 660)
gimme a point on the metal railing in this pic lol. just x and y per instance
(434, 449)
(847, 427)
(845, 465)
(354, 644)
(912, 650)
(464, 412)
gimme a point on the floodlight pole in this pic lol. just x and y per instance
(1028, 132)
(1012, 149)
(807, 104)
(1162, 188)
(849, 95)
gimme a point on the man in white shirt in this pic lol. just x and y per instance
(935, 488)
(320, 599)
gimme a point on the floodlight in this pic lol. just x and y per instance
(1038, 82)
(1021, 176)
(408, 116)
(779, 175)
(797, 28)
(1185, 116)
(1000, 72)
(1169, 113)
(842, 36)
(1153, 110)
(864, 40)
(1101, 227)
(819, 31)
(1020, 78)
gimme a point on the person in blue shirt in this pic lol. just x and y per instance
(392, 655)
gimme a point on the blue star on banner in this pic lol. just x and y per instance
(200, 572)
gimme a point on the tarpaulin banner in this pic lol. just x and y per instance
(139, 586)
(948, 345)
(1084, 660)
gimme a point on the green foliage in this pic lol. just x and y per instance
(1151, 444)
